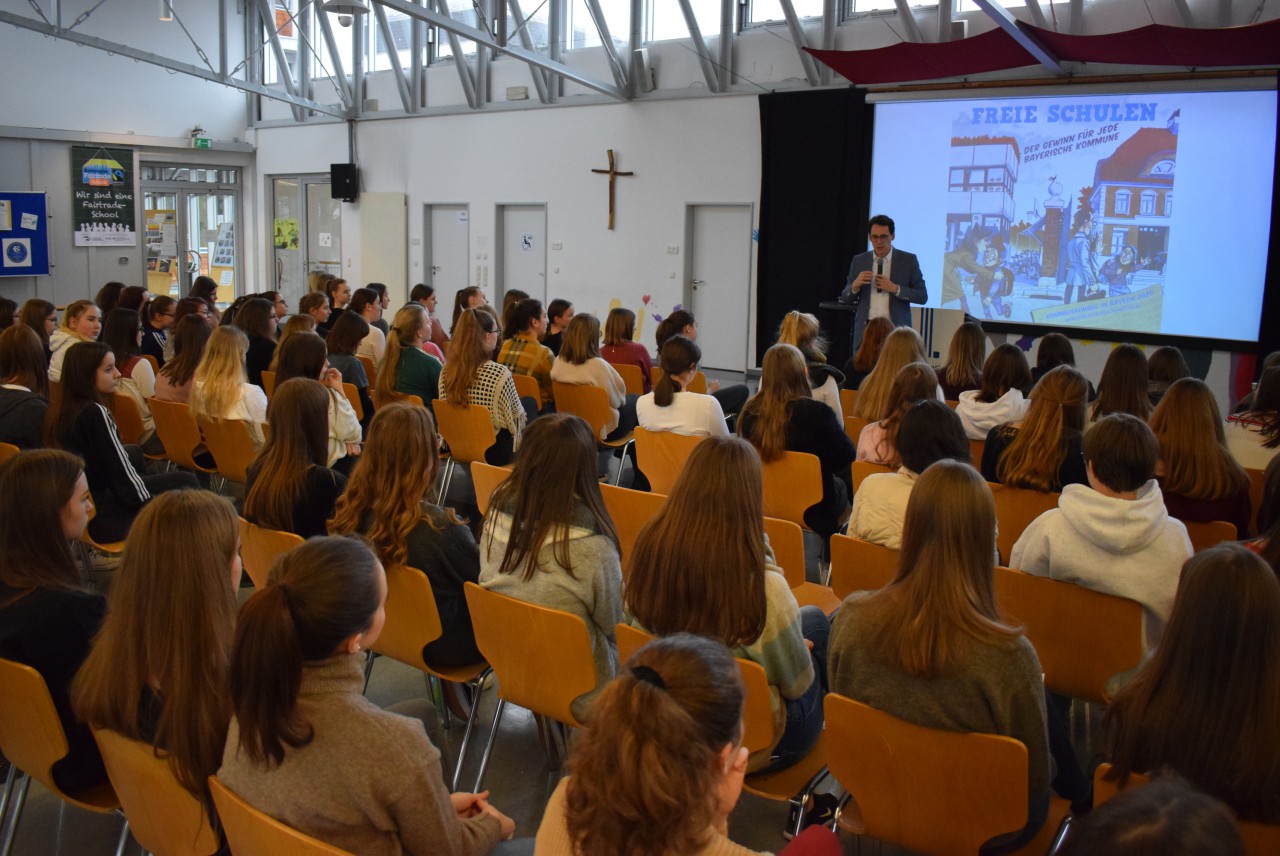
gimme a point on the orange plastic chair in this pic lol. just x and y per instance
(7, 451)
(163, 815)
(787, 541)
(541, 657)
(591, 403)
(1083, 637)
(976, 448)
(412, 623)
(252, 832)
(527, 387)
(792, 484)
(259, 548)
(268, 382)
(231, 445)
(370, 368)
(353, 396)
(848, 398)
(927, 790)
(858, 565)
(698, 384)
(32, 739)
(468, 429)
(953, 404)
(1210, 534)
(862, 469)
(128, 418)
(178, 431)
(632, 376)
(114, 547)
(1015, 509)
(853, 426)
(486, 478)
(661, 455)
(630, 510)
(1256, 485)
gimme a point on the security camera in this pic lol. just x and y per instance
(345, 20)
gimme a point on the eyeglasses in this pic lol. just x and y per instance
(885, 237)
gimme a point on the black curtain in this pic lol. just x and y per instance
(1269, 332)
(814, 190)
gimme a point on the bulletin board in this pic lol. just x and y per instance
(24, 234)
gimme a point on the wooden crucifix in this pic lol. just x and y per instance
(613, 173)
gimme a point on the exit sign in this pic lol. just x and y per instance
(201, 143)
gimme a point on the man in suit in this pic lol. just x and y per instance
(882, 282)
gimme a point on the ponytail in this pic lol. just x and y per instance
(677, 356)
(407, 323)
(266, 675)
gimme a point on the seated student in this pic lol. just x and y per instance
(523, 354)
(669, 407)
(10, 315)
(81, 322)
(305, 745)
(290, 486)
(1115, 535)
(1166, 816)
(1165, 366)
(42, 317)
(929, 432)
(619, 345)
(80, 421)
(108, 296)
(548, 538)
(338, 293)
(406, 370)
(471, 297)
(963, 370)
(1005, 375)
(158, 669)
(1123, 385)
(1042, 450)
(160, 320)
(189, 339)
(701, 565)
(1267, 544)
(304, 356)
(878, 441)
(317, 280)
(47, 615)
(559, 314)
(932, 648)
(1272, 360)
(1055, 350)
(1206, 706)
(205, 289)
(24, 388)
(384, 303)
(783, 417)
(366, 303)
(315, 305)
(1253, 436)
(344, 338)
(221, 389)
(902, 346)
(279, 306)
(801, 329)
(425, 296)
(864, 361)
(295, 325)
(681, 322)
(1199, 479)
(472, 378)
(123, 335)
(510, 299)
(579, 362)
(257, 318)
(183, 308)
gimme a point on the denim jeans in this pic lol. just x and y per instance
(804, 714)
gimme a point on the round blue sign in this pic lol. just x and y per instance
(16, 253)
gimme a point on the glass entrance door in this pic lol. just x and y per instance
(192, 228)
(306, 232)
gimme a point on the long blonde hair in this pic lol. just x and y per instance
(403, 334)
(783, 379)
(965, 356)
(1193, 448)
(915, 382)
(221, 373)
(1054, 416)
(467, 353)
(903, 346)
(801, 329)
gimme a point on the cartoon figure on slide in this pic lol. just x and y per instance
(1082, 264)
(992, 284)
(1117, 271)
(967, 256)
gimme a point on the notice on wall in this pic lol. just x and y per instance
(102, 197)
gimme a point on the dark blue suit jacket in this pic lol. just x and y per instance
(905, 273)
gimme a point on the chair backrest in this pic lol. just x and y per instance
(1256, 485)
(630, 510)
(1015, 509)
(527, 387)
(370, 368)
(787, 540)
(589, 402)
(177, 430)
(163, 816)
(862, 469)
(128, 417)
(952, 404)
(541, 657)
(698, 384)
(486, 478)
(976, 448)
(1210, 534)
(353, 398)
(7, 451)
(662, 455)
(792, 484)
(268, 382)
(252, 832)
(467, 428)
(1083, 637)
(923, 789)
(231, 445)
(853, 426)
(632, 376)
(413, 619)
(55, 391)
(848, 397)
(858, 565)
(259, 548)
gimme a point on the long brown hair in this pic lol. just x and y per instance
(460, 301)
(581, 340)
(320, 593)
(303, 356)
(1123, 385)
(1268, 542)
(1266, 406)
(34, 488)
(298, 416)
(190, 336)
(1193, 448)
(902, 346)
(1208, 702)
(698, 565)
(404, 333)
(620, 326)
(1005, 369)
(915, 382)
(943, 590)
(467, 353)
(34, 314)
(392, 486)
(670, 713)
(1054, 416)
(784, 378)
(554, 475)
(22, 360)
(168, 630)
(873, 339)
(965, 356)
(79, 390)
(678, 355)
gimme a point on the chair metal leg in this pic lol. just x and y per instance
(471, 724)
(435, 687)
(444, 482)
(368, 670)
(15, 814)
(124, 837)
(622, 460)
(488, 747)
(9, 779)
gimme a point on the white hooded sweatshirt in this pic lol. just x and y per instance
(60, 341)
(1130, 548)
(979, 417)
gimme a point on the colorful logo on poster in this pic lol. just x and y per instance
(102, 172)
(17, 252)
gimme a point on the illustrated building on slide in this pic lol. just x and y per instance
(984, 172)
(1132, 196)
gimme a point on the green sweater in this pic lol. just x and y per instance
(418, 374)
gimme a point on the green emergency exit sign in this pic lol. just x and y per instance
(201, 143)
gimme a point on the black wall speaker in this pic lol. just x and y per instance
(344, 181)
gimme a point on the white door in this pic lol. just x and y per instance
(448, 250)
(522, 246)
(719, 283)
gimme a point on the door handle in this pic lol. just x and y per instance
(696, 283)
(435, 268)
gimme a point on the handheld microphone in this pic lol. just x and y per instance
(879, 273)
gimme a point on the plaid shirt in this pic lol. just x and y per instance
(529, 357)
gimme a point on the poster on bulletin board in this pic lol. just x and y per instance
(24, 234)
